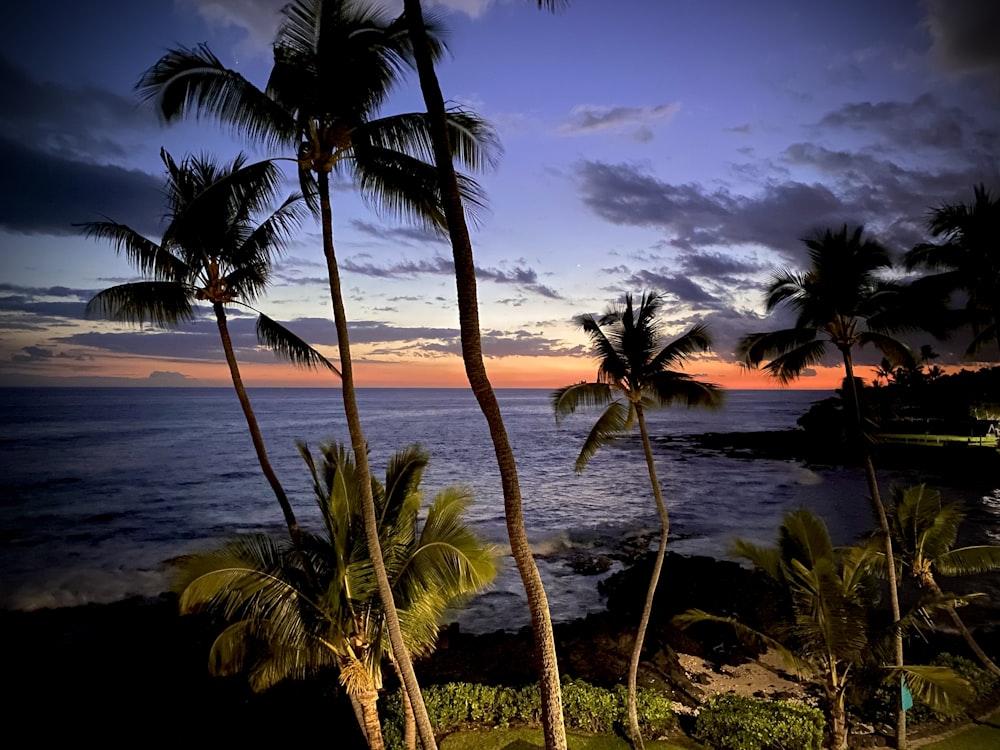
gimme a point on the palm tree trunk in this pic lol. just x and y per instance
(883, 520)
(960, 625)
(472, 354)
(647, 609)
(838, 719)
(255, 435)
(360, 448)
(368, 700)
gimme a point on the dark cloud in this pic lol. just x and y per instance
(46, 194)
(592, 118)
(30, 354)
(403, 235)
(500, 344)
(163, 377)
(964, 36)
(525, 278)
(681, 287)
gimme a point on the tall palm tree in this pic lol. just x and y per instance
(444, 152)
(925, 531)
(217, 248)
(840, 301)
(968, 260)
(335, 62)
(827, 630)
(634, 374)
(338, 619)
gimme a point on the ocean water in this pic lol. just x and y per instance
(100, 488)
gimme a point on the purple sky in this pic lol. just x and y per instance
(676, 145)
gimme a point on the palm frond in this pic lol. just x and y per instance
(678, 351)
(146, 256)
(767, 559)
(165, 304)
(966, 561)
(288, 346)
(755, 348)
(790, 365)
(677, 388)
(568, 399)
(613, 422)
(941, 688)
(193, 82)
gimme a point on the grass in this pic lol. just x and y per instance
(982, 736)
(989, 441)
(524, 738)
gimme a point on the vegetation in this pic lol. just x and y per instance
(587, 708)
(444, 152)
(335, 63)
(281, 623)
(218, 247)
(968, 261)
(924, 531)
(829, 631)
(733, 722)
(634, 374)
(840, 301)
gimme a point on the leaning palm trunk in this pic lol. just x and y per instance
(254, 428)
(883, 520)
(472, 354)
(360, 448)
(928, 582)
(647, 610)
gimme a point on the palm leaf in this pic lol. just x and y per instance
(287, 345)
(567, 400)
(165, 304)
(677, 388)
(968, 561)
(767, 559)
(941, 688)
(613, 422)
(147, 257)
(679, 350)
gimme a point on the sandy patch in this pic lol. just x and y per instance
(765, 677)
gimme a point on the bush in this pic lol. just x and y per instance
(586, 707)
(732, 722)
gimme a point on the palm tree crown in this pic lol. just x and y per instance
(968, 260)
(840, 300)
(259, 587)
(633, 370)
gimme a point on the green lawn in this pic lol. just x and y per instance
(983, 736)
(523, 738)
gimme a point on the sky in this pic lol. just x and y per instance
(684, 147)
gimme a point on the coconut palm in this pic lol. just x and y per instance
(840, 302)
(335, 62)
(280, 625)
(968, 260)
(827, 630)
(444, 152)
(634, 374)
(925, 531)
(218, 248)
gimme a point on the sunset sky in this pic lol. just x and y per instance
(682, 146)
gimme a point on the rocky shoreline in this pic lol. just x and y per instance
(107, 669)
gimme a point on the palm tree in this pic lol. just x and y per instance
(840, 301)
(444, 152)
(335, 62)
(925, 531)
(259, 588)
(968, 260)
(634, 374)
(827, 630)
(217, 248)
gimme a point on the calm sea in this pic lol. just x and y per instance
(100, 487)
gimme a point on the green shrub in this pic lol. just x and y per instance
(732, 722)
(459, 704)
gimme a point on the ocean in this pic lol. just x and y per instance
(102, 487)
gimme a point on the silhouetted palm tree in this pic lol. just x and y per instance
(840, 301)
(968, 261)
(443, 150)
(281, 625)
(634, 373)
(335, 62)
(217, 248)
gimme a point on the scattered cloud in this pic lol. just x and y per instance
(964, 36)
(592, 118)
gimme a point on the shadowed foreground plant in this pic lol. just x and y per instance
(282, 625)
(829, 632)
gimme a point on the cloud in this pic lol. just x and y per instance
(964, 36)
(161, 377)
(591, 118)
(524, 278)
(257, 19)
(406, 235)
